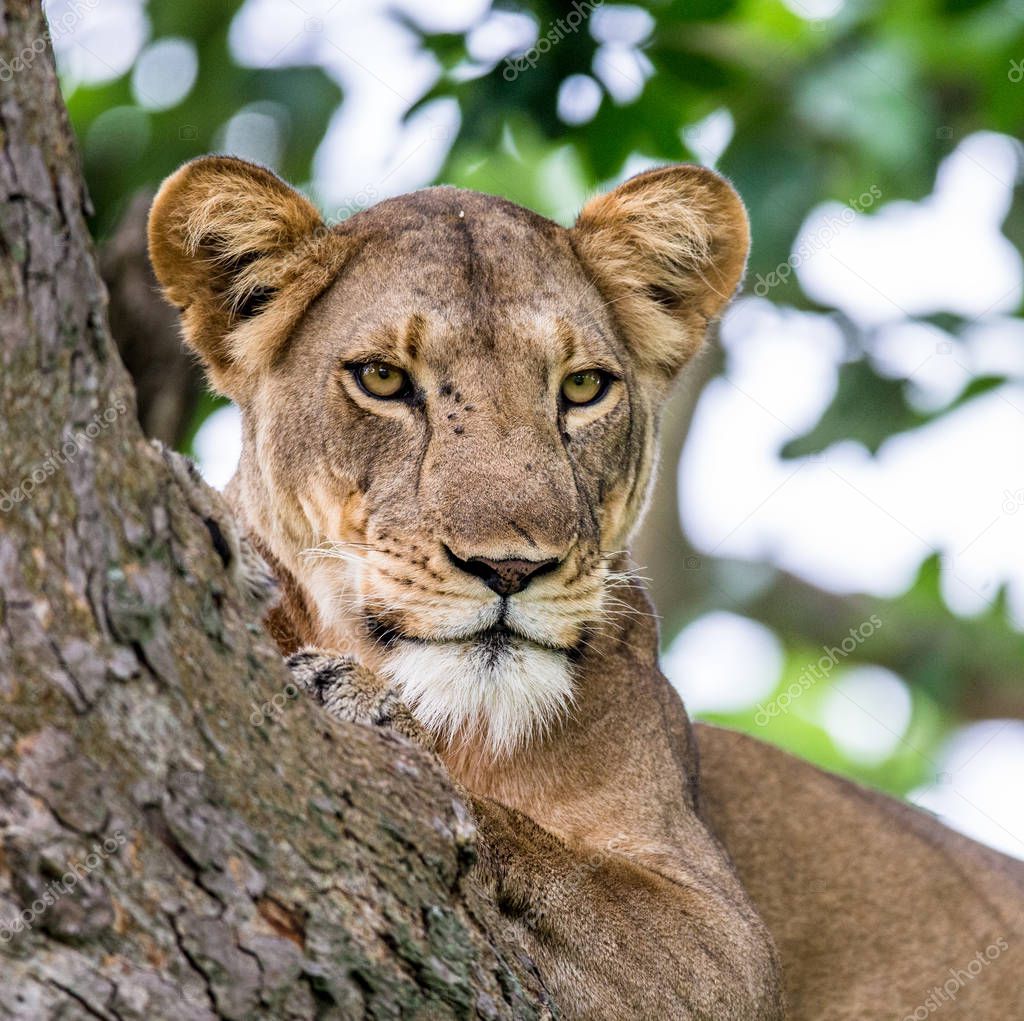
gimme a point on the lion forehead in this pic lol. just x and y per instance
(447, 243)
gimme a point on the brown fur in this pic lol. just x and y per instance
(877, 909)
(597, 835)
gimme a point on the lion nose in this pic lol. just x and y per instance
(506, 577)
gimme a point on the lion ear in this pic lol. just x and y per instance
(668, 249)
(242, 255)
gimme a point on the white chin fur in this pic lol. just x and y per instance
(458, 689)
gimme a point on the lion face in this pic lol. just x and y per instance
(449, 409)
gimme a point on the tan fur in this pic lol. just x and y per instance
(682, 242)
(877, 909)
(598, 832)
(229, 232)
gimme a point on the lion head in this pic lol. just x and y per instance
(449, 409)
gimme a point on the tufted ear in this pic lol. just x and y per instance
(668, 249)
(242, 255)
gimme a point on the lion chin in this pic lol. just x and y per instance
(495, 689)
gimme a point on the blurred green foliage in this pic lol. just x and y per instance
(126, 146)
(874, 96)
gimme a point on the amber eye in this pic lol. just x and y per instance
(381, 380)
(584, 387)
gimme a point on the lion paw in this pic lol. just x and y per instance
(350, 692)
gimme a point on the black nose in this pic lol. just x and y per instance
(506, 577)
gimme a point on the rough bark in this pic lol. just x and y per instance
(246, 862)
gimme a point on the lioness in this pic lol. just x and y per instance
(450, 407)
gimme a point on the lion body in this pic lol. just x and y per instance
(878, 910)
(648, 879)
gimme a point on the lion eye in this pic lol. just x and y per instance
(379, 379)
(584, 387)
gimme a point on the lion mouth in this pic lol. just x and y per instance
(498, 634)
(494, 641)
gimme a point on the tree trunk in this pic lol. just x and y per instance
(181, 836)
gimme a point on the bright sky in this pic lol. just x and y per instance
(846, 521)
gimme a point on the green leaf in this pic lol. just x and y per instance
(869, 408)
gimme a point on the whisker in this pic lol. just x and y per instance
(330, 553)
(622, 607)
(618, 579)
(353, 545)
